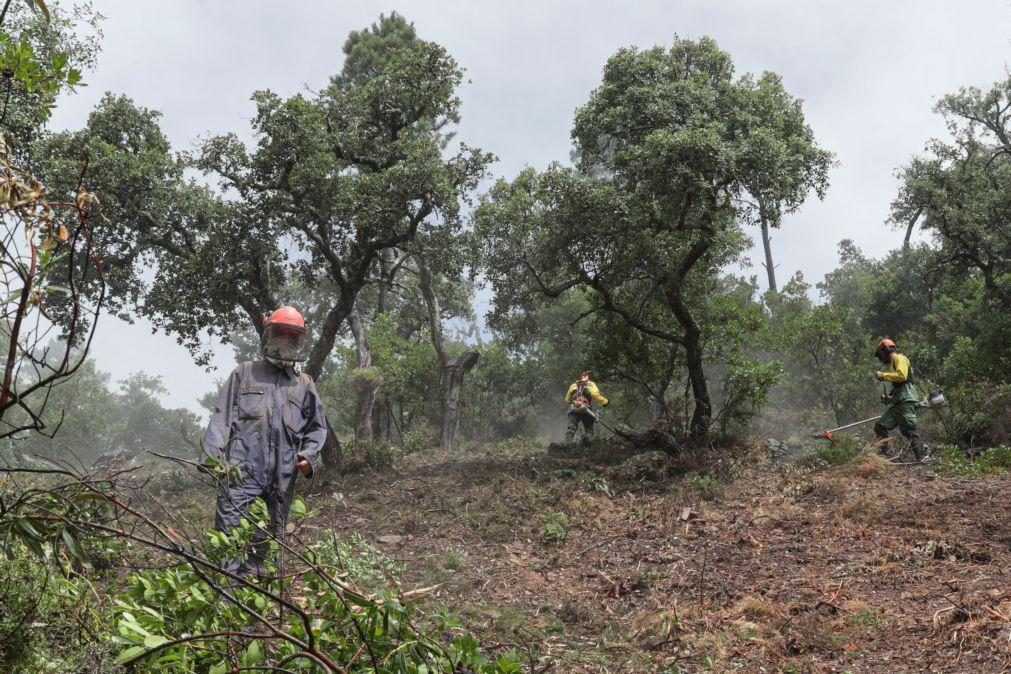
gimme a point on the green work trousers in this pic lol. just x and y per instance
(574, 419)
(903, 415)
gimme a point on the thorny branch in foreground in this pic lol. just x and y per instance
(46, 262)
(192, 611)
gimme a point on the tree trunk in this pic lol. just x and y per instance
(366, 383)
(328, 336)
(909, 228)
(658, 402)
(770, 268)
(452, 383)
(452, 372)
(702, 414)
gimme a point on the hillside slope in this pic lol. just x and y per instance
(590, 565)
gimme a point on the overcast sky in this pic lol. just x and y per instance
(869, 73)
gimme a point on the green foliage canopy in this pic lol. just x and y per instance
(670, 145)
(333, 181)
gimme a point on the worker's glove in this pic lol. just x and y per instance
(885, 399)
(880, 376)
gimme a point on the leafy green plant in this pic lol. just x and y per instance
(48, 621)
(595, 482)
(705, 486)
(993, 461)
(554, 528)
(361, 564)
(842, 450)
(378, 455)
(867, 618)
(418, 440)
(191, 618)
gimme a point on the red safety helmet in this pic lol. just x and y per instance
(285, 316)
(885, 348)
(284, 335)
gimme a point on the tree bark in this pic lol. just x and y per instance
(452, 382)
(453, 372)
(327, 337)
(909, 228)
(702, 413)
(367, 384)
(770, 268)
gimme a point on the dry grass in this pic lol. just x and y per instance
(755, 607)
(869, 464)
(865, 509)
(776, 512)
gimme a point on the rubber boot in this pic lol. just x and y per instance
(916, 444)
(886, 447)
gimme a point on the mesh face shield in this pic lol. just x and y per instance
(284, 343)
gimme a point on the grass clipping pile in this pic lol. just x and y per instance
(589, 566)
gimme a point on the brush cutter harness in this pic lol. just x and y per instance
(580, 398)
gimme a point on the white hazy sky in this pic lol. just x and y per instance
(868, 71)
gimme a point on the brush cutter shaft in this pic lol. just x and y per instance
(855, 423)
(597, 419)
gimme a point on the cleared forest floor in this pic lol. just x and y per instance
(589, 566)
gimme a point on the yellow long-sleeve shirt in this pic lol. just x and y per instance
(899, 372)
(590, 389)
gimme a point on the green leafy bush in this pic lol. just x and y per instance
(330, 621)
(419, 439)
(554, 528)
(48, 622)
(361, 564)
(994, 461)
(705, 486)
(981, 413)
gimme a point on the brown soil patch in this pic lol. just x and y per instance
(861, 568)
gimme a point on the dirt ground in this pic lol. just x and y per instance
(587, 566)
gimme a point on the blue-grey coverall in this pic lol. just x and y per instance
(265, 416)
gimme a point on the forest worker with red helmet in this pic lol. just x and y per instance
(268, 423)
(901, 400)
(580, 398)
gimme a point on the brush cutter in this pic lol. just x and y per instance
(934, 399)
(600, 421)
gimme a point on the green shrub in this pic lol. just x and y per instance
(842, 450)
(705, 486)
(994, 461)
(867, 618)
(48, 622)
(360, 563)
(520, 445)
(554, 528)
(980, 413)
(418, 440)
(336, 614)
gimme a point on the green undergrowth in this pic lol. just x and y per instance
(842, 450)
(346, 607)
(993, 461)
(50, 620)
